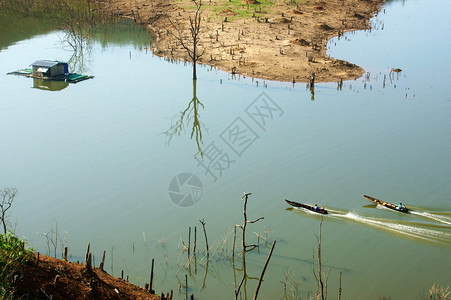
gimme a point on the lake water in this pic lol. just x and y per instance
(102, 161)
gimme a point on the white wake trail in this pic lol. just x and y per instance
(441, 219)
(409, 230)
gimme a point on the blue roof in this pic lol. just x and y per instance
(46, 63)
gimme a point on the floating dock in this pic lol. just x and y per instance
(68, 77)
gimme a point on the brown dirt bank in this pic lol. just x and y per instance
(273, 40)
(74, 282)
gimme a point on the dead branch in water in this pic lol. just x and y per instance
(264, 269)
(321, 280)
(206, 239)
(243, 240)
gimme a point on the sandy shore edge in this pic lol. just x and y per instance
(281, 42)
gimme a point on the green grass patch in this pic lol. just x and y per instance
(241, 10)
(239, 3)
(14, 249)
(13, 252)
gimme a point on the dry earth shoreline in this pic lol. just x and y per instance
(51, 278)
(277, 41)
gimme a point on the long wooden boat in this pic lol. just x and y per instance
(320, 210)
(387, 204)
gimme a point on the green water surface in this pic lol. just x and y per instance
(98, 159)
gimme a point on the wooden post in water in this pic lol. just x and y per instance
(186, 287)
(65, 254)
(151, 290)
(195, 240)
(233, 247)
(189, 241)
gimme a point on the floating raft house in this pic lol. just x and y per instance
(51, 70)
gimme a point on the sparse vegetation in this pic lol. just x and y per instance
(7, 196)
(437, 292)
(13, 252)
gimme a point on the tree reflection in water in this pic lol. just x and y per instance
(190, 114)
(81, 46)
(78, 26)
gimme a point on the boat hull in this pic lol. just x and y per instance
(311, 208)
(386, 204)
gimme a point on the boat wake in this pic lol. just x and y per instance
(411, 229)
(438, 218)
(438, 230)
(444, 218)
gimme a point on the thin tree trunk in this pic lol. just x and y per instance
(264, 269)
(194, 70)
(206, 239)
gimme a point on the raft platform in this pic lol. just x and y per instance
(69, 77)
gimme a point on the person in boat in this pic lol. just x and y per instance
(316, 207)
(400, 206)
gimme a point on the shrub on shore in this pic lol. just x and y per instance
(13, 252)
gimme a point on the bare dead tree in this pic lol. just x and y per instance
(243, 240)
(321, 279)
(243, 227)
(7, 196)
(194, 28)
